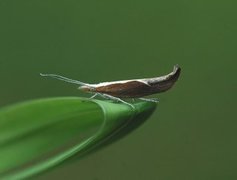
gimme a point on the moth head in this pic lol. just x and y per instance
(86, 88)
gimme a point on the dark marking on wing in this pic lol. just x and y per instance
(125, 90)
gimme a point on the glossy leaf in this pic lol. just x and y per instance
(40, 134)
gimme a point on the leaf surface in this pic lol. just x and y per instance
(40, 134)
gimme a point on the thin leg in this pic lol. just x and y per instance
(116, 99)
(93, 96)
(150, 100)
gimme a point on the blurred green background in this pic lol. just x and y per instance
(191, 136)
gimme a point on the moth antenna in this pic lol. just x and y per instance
(55, 76)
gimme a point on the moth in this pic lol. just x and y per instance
(134, 88)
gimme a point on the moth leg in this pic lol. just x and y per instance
(117, 99)
(94, 96)
(150, 100)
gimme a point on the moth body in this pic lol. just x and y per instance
(134, 88)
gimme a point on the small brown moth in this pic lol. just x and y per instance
(135, 88)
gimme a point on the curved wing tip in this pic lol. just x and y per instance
(177, 67)
(176, 72)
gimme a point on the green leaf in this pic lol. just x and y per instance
(40, 134)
